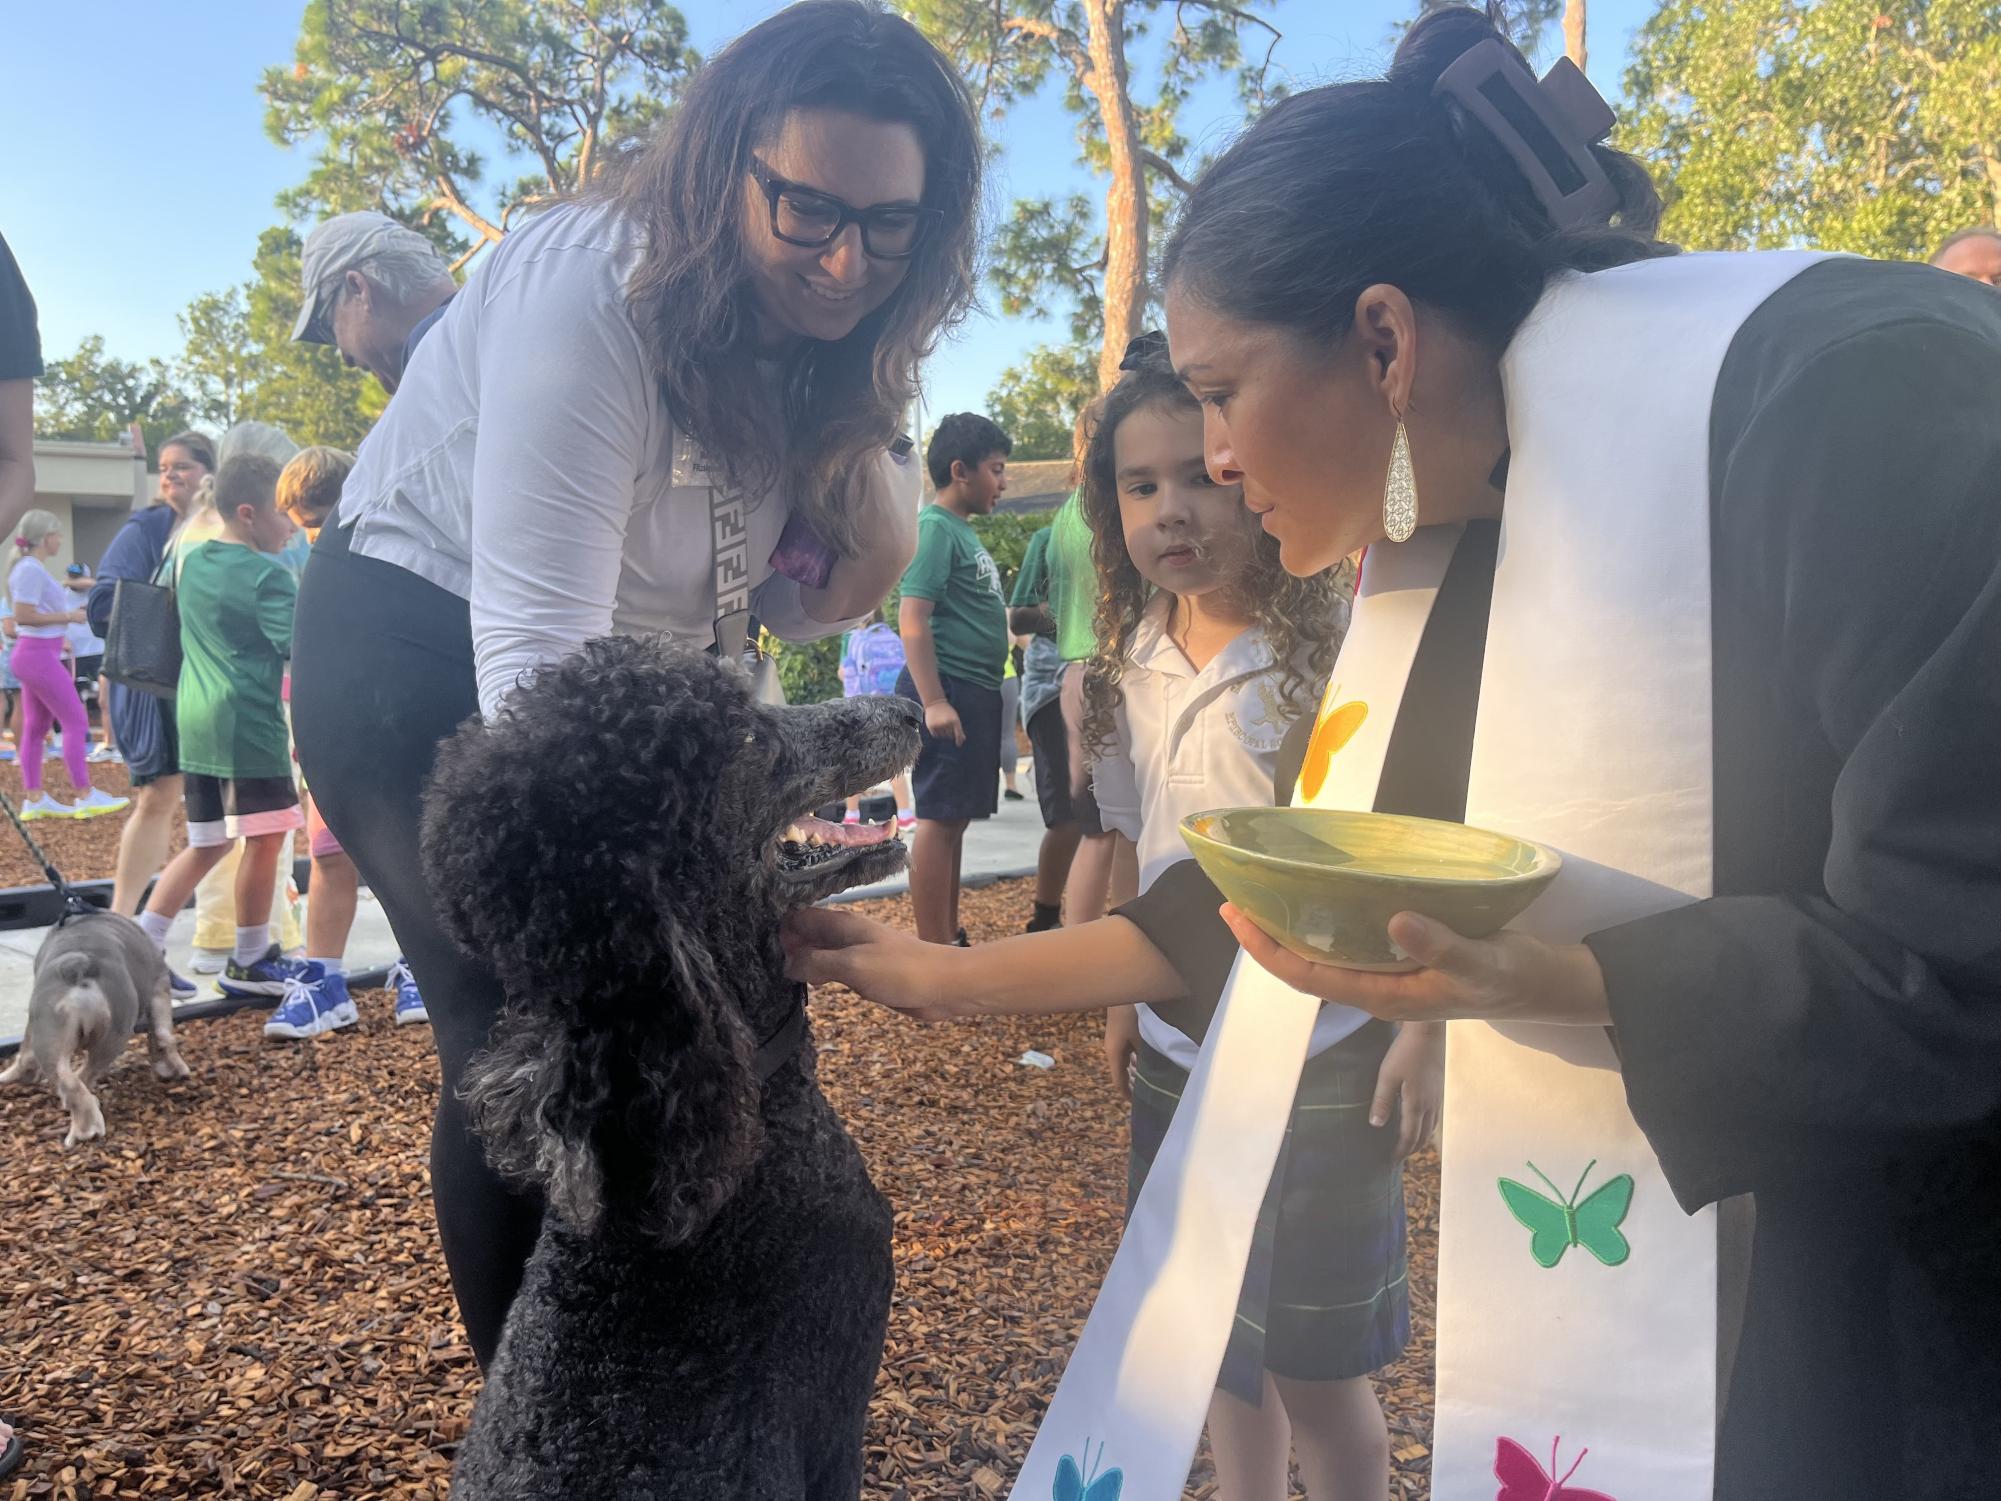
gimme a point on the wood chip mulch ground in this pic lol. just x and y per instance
(81, 849)
(239, 1292)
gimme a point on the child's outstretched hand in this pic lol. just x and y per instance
(1413, 1074)
(881, 964)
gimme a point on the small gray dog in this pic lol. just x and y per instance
(90, 974)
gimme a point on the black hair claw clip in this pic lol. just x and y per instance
(1147, 352)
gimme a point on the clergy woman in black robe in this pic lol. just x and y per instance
(1823, 1033)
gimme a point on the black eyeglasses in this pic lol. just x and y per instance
(806, 217)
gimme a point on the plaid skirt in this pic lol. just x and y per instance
(1326, 1294)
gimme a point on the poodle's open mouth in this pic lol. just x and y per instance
(813, 848)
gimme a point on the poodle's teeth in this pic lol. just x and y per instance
(794, 834)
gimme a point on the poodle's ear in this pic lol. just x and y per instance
(531, 1100)
(660, 1120)
(694, 1123)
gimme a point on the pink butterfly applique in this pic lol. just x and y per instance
(1522, 1479)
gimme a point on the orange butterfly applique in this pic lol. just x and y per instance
(1336, 728)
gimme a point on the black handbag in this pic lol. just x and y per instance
(142, 645)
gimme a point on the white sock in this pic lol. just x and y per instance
(155, 925)
(253, 944)
(331, 966)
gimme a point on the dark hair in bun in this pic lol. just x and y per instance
(1339, 188)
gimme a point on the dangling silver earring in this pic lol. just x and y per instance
(1400, 491)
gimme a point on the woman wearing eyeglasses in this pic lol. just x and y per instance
(728, 323)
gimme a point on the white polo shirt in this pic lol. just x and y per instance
(1190, 741)
(527, 464)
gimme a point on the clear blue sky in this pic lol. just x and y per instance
(139, 174)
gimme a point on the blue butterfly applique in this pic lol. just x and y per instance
(1072, 1486)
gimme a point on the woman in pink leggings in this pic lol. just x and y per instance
(42, 610)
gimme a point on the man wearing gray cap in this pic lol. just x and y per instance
(373, 287)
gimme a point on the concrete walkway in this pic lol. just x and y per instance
(1002, 846)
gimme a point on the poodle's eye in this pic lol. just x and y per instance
(750, 739)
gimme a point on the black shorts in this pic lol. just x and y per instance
(222, 810)
(87, 669)
(1326, 1292)
(1051, 748)
(951, 783)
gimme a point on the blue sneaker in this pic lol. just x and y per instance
(409, 1004)
(268, 976)
(314, 1002)
(181, 989)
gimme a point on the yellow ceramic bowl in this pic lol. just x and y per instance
(1326, 883)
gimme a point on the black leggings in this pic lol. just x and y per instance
(382, 671)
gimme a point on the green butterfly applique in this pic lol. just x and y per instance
(1555, 1225)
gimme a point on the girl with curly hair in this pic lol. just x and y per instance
(1209, 653)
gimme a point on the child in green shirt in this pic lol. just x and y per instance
(953, 621)
(236, 601)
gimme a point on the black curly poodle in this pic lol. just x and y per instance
(704, 1312)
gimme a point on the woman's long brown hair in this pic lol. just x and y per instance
(836, 404)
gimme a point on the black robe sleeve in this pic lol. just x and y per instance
(1858, 528)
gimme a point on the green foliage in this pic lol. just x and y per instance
(1005, 537)
(1049, 257)
(1841, 124)
(217, 360)
(809, 671)
(1045, 261)
(238, 362)
(1524, 21)
(1037, 402)
(91, 396)
(379, 84)
(377, 87)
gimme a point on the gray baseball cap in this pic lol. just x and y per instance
(344, 243)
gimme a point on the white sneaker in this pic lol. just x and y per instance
(100, 754)
(45, 807)
(97, 802)
(209, 961)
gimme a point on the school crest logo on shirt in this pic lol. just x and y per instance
(989, 572)
(1258, 718)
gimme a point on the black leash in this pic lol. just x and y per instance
(74, 905)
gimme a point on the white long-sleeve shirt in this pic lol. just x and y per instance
(1188, 742)
(528, 465)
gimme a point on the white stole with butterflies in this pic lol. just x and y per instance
(1577, 1303)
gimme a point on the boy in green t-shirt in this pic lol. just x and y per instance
(955, 639)
(236, 600)
(1031, 612)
